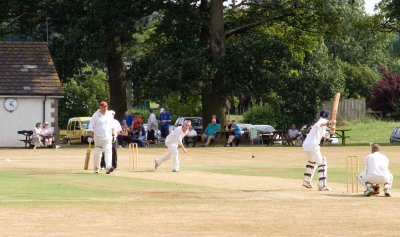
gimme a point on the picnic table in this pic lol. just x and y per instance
(341, 133)
(27, 137)
(282, 135)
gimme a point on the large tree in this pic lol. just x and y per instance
(204, 32)
(95, 32)
(100, 31)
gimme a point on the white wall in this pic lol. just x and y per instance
(28, 112)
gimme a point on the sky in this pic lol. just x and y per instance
(369, 5)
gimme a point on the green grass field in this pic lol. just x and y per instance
(361, 133)
(220, 191)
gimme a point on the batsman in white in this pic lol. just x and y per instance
(376, 172)
(313, 152)
(101, 124)
(172, 141)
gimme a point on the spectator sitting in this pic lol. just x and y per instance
(192, 134)
(228, 129)
(123, 135)
(214, 116)
(47, 135)
(36, 139)
(128, 118)
(303, 134)
(137, 121)
(293, 132)
(211, 132)
(139, 134)
(236, 134)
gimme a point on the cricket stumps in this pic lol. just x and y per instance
(352, 169)
(133, 156)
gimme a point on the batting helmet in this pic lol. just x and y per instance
(324, 113)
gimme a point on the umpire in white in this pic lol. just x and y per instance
(101, 124)
(376, 172)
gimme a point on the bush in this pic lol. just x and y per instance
(82, 94)
(386, 94)
(178, 106)
(144, 113)
(266, 114)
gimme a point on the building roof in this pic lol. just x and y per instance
(26, 68)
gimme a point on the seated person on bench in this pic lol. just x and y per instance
(293, 132)
(211, 132)
(36, 139)
(47, 135)
(123, 135)
(192, 134)
(376, 172)
(236, 134)
(139, 134)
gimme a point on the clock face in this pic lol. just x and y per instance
(10, 104)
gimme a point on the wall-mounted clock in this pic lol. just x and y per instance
(10, 104)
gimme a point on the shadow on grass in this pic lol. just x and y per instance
(352, 195)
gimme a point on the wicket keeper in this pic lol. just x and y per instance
(376, 172)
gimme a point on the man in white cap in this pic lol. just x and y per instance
(117, 129)
(165, 119)
(101, 124)
(173, 140)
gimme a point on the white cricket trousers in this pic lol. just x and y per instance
(172, 153)
(102, 144)
(363, 178)
(317, 159)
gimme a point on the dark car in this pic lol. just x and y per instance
(395, 135)
(197, 123)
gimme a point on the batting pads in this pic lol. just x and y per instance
(310, 169)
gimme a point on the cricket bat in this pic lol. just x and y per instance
(87, 158)
(335, 106)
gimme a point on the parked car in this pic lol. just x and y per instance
(77, 130)
(197, 123)
(395, 135)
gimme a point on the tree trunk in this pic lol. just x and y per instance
(213, 100)
(116, 77)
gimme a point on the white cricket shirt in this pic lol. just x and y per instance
(377, 165)
(176, 136)
(101, 124)
(314, 137)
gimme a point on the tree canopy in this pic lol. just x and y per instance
(287, 55)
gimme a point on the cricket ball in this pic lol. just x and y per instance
(253, 156)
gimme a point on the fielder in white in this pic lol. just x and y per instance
(172, 141)
(101, 124)
(376, 172)
(313, 152)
